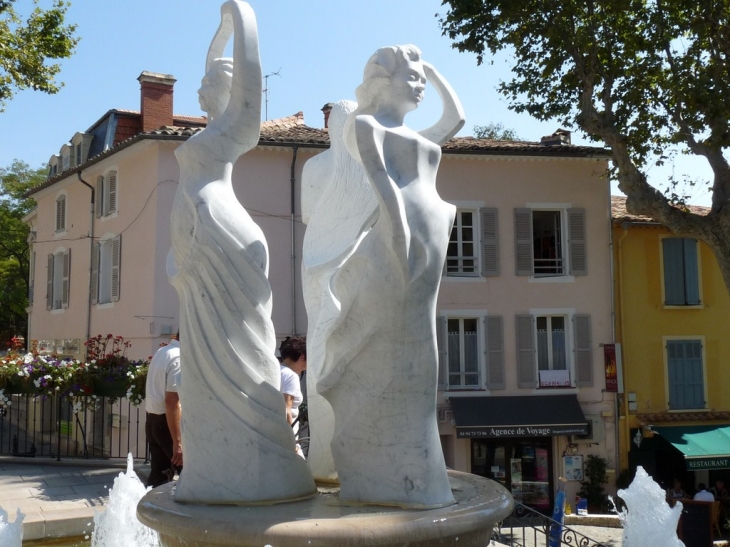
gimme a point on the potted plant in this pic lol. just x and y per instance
(108, 373)
(592, 487)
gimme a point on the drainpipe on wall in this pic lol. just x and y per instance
(292, 181)
(626, 436)
(91, 253)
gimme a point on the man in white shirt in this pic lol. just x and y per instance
(703, 494)
(163, 415)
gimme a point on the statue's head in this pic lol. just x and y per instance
(215, 89)
(394, 74)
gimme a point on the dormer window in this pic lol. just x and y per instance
(81, 143)
(53, 166)
(66, 153)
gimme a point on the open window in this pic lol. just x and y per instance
(550, 242)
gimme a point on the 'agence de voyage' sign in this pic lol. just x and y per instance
(520, 431)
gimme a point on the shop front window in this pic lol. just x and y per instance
(520, 465)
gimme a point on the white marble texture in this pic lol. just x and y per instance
(237, 445)
(379, 370)
(335, 192)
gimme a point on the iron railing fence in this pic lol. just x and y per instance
(54, 427)
(525, 527)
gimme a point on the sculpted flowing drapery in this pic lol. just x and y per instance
(335, 193)
(377, 303)
(237, 445)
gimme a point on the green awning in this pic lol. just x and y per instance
(703, 446)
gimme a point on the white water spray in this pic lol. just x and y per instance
(648, 520)
(11, 533)
(118, 526)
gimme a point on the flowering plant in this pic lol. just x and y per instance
(107, 369)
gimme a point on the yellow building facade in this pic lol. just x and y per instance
(672, 313)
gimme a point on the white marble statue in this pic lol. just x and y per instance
(237, 445)
(335, 192)
(379, 362)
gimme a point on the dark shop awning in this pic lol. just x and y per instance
(536, 416)
(703, 446)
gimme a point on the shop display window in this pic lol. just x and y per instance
(520, 465)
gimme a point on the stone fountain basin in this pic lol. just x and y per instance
(324, 520)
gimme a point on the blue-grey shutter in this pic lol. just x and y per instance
(116, 265)
(99, 197)
(490, 242)
(49, 283)
(61, 214)
(494, 336)
(686, 379)
(112, 193)
(526, 373)
(583, 350)
(672, 252)
(577, 242)
(66, 284)
(691, 272)
(94, 288)
(523, 242)
(443, 357)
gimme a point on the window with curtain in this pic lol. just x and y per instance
(463, 352)
(681, 271)
(461, 256)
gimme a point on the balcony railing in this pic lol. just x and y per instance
(53, 427)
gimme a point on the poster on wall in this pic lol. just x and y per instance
(573, 468)
(609, 359)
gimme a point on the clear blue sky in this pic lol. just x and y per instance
(318, 47)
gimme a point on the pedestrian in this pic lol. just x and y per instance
(702, 493)
(163, 414)
(293, 351)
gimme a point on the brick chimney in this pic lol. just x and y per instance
(327, 109)
(560, 137)
(156, 99)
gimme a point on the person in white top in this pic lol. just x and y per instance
(703, 494)
(293, 353)
(163, 415)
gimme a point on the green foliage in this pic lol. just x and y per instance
(592, 487)
(643, 76)
(14, 253)
(495, 132)
(27, 45)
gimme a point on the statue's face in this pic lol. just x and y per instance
(214, 92)
(407, 85)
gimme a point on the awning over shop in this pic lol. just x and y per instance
(525, 416)
(703, 446)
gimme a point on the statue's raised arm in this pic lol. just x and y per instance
(452, 118)
(237, 116)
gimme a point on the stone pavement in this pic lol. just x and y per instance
(58, 498)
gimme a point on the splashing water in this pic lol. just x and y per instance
(11, 533)
(118, 526)
(648, 520)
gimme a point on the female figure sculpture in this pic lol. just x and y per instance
(238, 447)
(380, 360)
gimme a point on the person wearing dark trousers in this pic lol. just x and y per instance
(163, 415)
